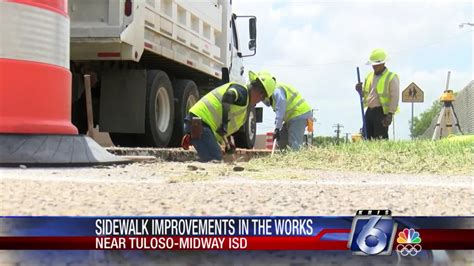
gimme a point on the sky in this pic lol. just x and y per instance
(317, 45)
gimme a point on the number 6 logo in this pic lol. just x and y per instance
(369, 230)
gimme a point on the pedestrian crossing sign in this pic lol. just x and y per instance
(413, 94)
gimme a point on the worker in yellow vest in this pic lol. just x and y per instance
(223, 111)
(381, 94)
(292, 113)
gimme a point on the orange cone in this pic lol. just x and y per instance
(35, 88)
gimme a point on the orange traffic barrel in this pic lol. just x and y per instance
(35, 82)
(35, 87)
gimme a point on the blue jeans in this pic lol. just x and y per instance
(207, 147)
(292, 134)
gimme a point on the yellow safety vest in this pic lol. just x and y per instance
(382, 88)
(209, 109)
(295, 104)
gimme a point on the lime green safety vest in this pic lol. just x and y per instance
(209, 109)
(382, 88)
(295, 104)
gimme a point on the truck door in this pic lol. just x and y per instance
(237, 67)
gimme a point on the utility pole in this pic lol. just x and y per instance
(338, 131)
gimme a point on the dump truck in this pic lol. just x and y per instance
(149, 61)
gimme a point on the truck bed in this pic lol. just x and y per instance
(188, 33)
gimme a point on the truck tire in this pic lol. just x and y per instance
(159, 109)
(126, 139)
(245, 137)
(186, 95)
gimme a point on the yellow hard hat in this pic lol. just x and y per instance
(377, 57)
(267, 80)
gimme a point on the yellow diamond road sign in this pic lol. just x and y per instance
(413, 94)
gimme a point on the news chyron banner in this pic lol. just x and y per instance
(369, 233)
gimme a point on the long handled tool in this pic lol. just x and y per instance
(273, 147)
(364, 126)
(90, 115)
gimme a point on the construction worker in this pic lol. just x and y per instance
(292, 114)
(223, 111)
(381, 93)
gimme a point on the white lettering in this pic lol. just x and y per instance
(115, 227)
(110, 243)
(294, 227)
(98, 226)
(201, 242)
(237, 243)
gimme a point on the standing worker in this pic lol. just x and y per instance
(222, 112)
(292, 114)
(381, 94)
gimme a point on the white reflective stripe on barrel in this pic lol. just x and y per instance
(33, 34)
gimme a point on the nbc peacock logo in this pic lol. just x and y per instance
(409, 242)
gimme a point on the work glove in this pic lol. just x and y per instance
(222, 130)
(358, 88)
(387, 120)
(186, 141)
(276, 134)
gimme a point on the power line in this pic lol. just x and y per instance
(449, 38)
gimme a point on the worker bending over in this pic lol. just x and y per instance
(222, 112)
(292, 113)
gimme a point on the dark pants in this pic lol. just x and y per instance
(207, 147)
(373, 122)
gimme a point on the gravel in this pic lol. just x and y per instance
(172, 188)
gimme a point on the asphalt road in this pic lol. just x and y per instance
(170, 188)
(167, 188)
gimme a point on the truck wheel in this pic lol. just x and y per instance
(245, 137)
(159, 110)
(126, 140)
(187, 95)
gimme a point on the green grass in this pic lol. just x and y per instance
(439, 157)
